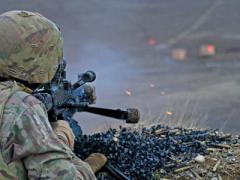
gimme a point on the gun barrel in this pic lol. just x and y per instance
(131, 115)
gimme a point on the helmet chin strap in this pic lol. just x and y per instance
(29, 87)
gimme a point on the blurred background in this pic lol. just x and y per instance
(177, 61)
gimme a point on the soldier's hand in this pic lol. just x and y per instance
(64, 132)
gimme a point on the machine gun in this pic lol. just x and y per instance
(63, 99)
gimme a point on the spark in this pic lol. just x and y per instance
(129, 93)
(168, 113)
(152, 85)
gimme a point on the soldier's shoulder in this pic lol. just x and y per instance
(24, 99)
(21, 104)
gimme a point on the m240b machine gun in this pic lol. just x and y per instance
(63, 99)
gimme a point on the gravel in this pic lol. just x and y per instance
(139, 154)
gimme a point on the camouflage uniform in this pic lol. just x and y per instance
(31, 47)
(28, 144)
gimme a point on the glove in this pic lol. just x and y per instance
(64, 133)
(96, 161)
(84, 171)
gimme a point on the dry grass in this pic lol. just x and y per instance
(182, 113)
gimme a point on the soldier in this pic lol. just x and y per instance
(31, 48)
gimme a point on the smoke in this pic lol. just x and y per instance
(111, 67)
(113, 72)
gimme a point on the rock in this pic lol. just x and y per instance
(115, 139)
(200, 159)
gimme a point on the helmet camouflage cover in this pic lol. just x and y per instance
(31, 47)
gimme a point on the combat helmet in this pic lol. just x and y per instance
(31, 47)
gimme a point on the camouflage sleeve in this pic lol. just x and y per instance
(44, 156)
